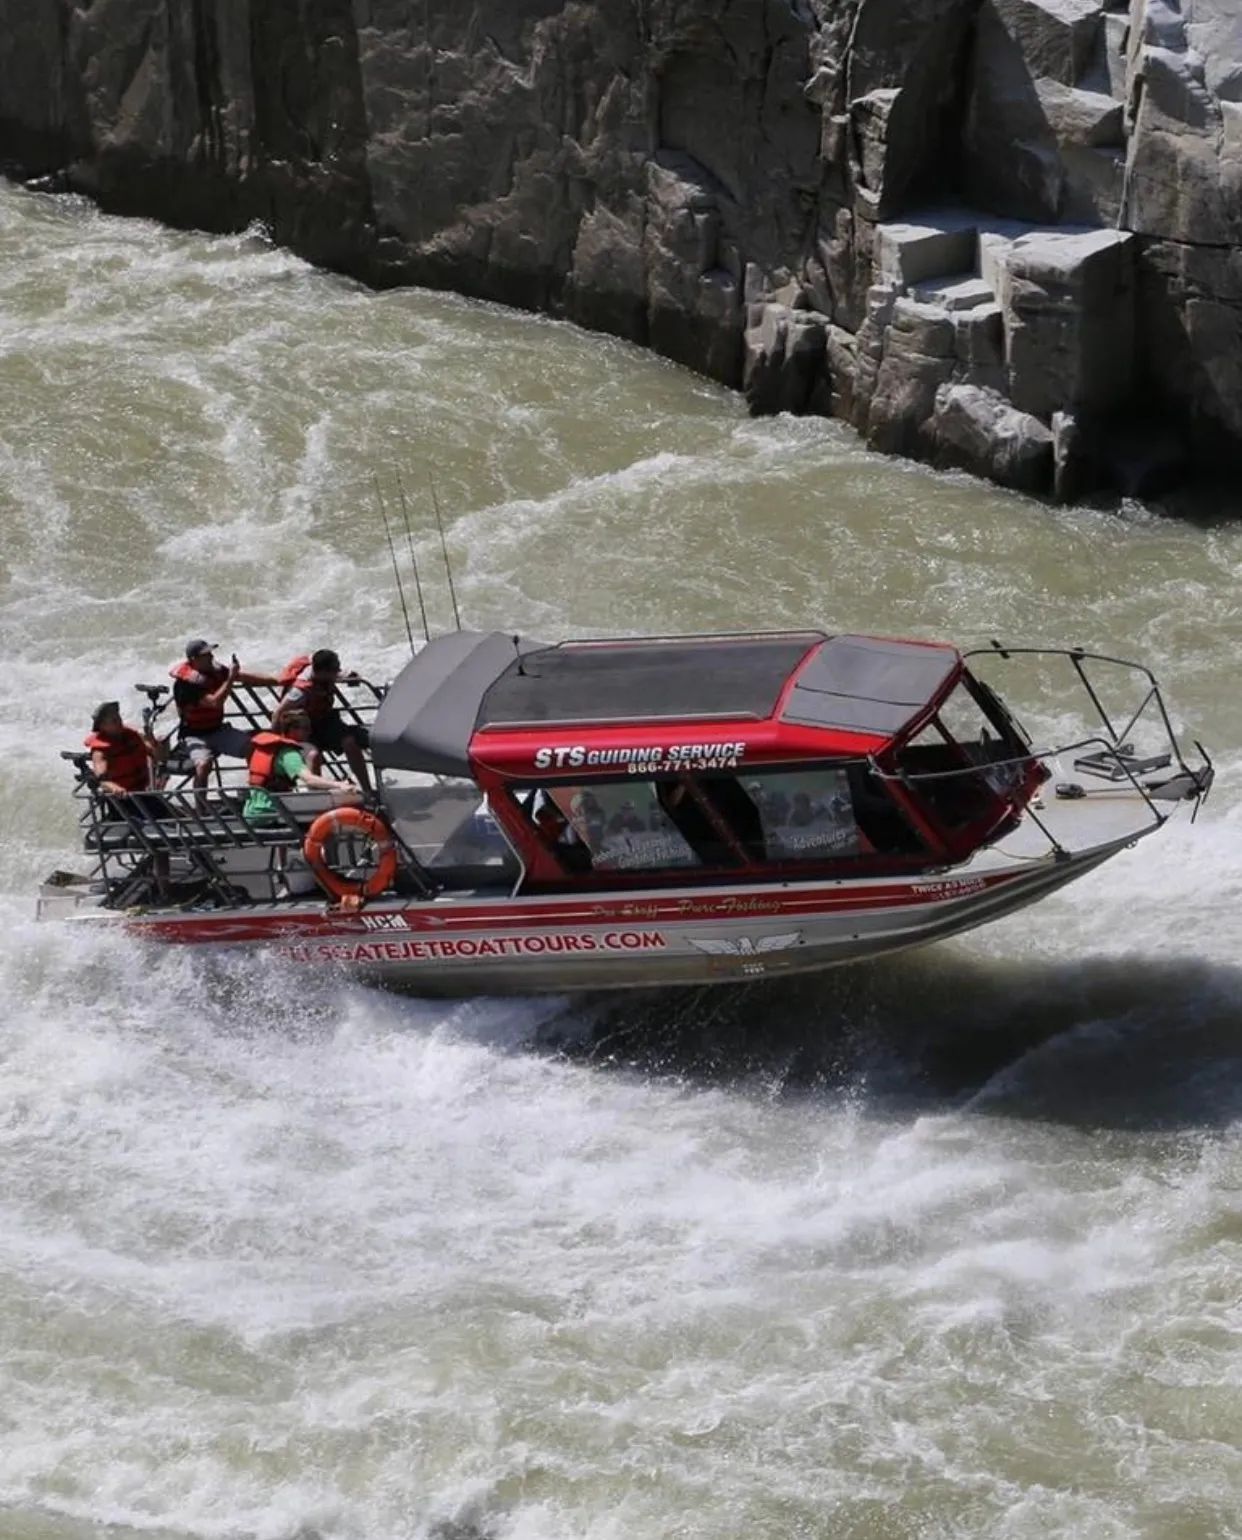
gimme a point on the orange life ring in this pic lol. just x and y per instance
(340, 820)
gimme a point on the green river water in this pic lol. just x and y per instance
(945, 1247)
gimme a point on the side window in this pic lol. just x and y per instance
(630, 825)
(942, 762)
(446, 822)
(806, 815)
(984, 742)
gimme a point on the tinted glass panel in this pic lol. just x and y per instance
(630, 825)
(806, 815)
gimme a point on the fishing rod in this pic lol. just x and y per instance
(392, 551)
(435, 503)
(409, 540)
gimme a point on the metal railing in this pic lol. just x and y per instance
(177, 838)
(1113, 758)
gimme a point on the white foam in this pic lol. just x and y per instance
(277, 1251)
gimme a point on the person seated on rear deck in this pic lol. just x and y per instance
(201, 691)
(122, 761)
(278, 764)
(313, 690)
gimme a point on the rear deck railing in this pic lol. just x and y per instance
(178, 836)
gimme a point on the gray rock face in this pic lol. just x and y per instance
(974, 426)
(761, 191)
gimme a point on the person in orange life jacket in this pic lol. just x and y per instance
(201, 689)
(278, 764)
(313, 690)
(123, 761)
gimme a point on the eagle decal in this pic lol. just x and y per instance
(746, 946)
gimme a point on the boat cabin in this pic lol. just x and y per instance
(681, 761)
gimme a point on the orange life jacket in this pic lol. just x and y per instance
(293, 671)
(128, 763)
(197, 716)
(317, 698)
(264, 750)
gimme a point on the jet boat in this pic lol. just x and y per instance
(641, 812)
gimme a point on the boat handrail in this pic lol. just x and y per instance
(791, 634)
(250, 708)
(1078, 658)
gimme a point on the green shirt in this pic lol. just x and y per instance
(260, 808)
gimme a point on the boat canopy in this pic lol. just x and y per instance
(867, 684)
(472, 682)
(428, 717)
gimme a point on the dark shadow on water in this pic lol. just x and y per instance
(1117, 1043)
(1127, 1043)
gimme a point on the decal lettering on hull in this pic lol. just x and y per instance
(385, 922)
(468, 948)
(751, 951)
(645, 760)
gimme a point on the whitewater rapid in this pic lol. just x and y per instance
(944, 1247)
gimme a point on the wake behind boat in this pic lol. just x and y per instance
(669, 810)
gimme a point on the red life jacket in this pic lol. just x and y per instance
(197, 716)
(292, 672)
(317, 698)
(128, 763)
(264, 750)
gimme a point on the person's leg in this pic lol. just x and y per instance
(201, 758)
(356, 760)
(338, 737)
(229, 742)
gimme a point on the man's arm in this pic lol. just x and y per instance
(346, 790)
(99, 765)
(221, 693)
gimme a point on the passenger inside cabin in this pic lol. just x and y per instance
(278, 765)
(559, 834)
(313, 689)
(201, 691)
(586, 814)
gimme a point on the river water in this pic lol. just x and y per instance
(950, 1246)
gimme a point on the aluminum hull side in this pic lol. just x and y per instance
(823, 943)
(531, 946)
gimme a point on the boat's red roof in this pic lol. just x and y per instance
(520, 708)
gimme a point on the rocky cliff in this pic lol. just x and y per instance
(998, 234)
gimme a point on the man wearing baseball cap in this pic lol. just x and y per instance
(201, 689)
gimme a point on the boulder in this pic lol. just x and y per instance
(784, 358)
(901, 63)
(693, 282)
(1184, 177)
(1069, 314)
(1011, 165)
(934, 245)
(919, 355)
(979, 345)
(1080, 117)
(1190, 298)
(977, 430)
(840, 368)
(1057, 37)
